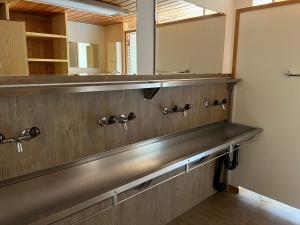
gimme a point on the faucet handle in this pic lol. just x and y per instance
(216, 102)
(29, 133)
(224, 101)
(221, 103)
(25, 135)
(187, 107)
(176, 108)
(122, 119)
(2, 138)
(166, 111)
(131, 116)
(112, 120)
(34, 132)
(103, 122)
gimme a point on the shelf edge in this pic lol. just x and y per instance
(86, 87)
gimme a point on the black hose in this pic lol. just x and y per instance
(218, 184)
(231, 165)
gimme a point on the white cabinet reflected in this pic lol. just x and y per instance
(83, 55)
(114, 57)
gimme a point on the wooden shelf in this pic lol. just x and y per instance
(48, 60)
(46, 41)
(36, 35)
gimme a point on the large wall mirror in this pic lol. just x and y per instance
(46, 37)
(189, 38)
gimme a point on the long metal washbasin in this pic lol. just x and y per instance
(48, 196)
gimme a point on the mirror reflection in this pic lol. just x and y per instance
(46, 37)
(83, 55)
(189, 38)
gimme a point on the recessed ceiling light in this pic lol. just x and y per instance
(90, 6)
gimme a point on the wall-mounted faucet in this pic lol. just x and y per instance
(25, 135)
(221, 103)
(120, 119)
(2, 138)
(216, 103)
(177, 109)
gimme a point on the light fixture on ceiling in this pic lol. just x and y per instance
(90, 6)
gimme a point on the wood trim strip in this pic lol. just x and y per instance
(236, 42)
(237, 25)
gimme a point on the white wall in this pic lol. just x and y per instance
(146, 37)
(197, 46)
(81, 32)
(227, 7)
(268, 46)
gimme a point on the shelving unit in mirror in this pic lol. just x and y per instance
(45, 40)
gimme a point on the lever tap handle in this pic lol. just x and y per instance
(131, 116)
(187, 107)
(34, 132)
(2, 138)
(103, 121)
(112, 120)
(176, 108)
(166, 111)
(224, 101)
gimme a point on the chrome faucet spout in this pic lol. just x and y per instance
(120, 119)
(177, 109)
(19, 146)
(221, 103)
(26, 135)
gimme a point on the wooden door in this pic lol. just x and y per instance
(268, 46)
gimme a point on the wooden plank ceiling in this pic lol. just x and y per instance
(168, 10)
